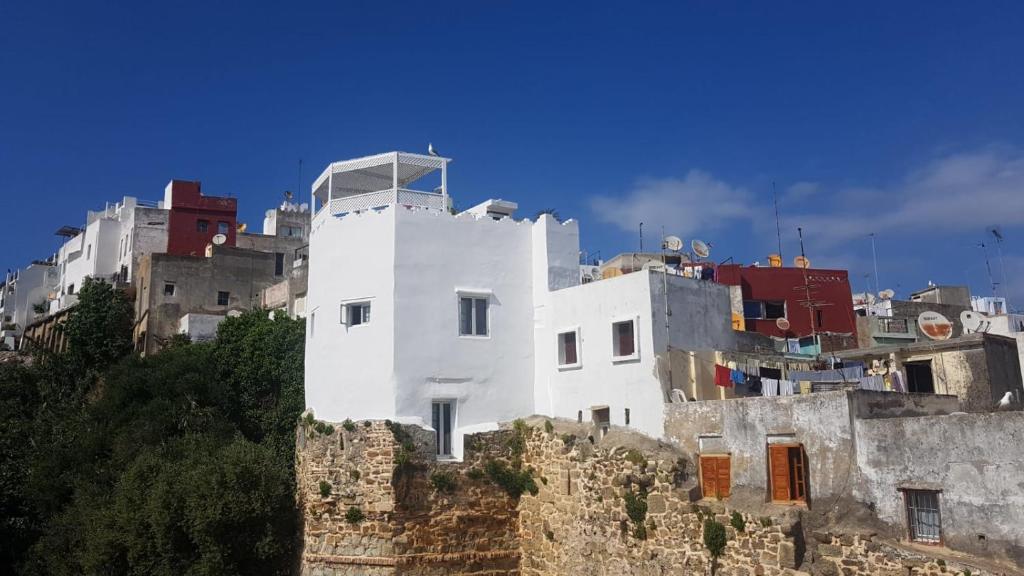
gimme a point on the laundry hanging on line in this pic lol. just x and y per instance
(723, 376)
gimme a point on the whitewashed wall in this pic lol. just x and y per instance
(350, 371)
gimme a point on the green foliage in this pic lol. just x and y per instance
(517, 441)
(515, 482)
(179, 463)
(766, 521)
(636, 509)
(348, 425)
(737, 522)
(548, 426)
(636, 457)
(474, 474)
(714, 537)
(443, 481)
(99, 327)
(325, 489)
(354, 515)
(355, 475)
(967, 572)
(544, 480)
(569, 440)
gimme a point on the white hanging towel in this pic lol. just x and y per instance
(769, 387)
(785, 387)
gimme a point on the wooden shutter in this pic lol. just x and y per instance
(724, 466)
(799, 468)
(709, 476)
(778, 464)
(714, 472)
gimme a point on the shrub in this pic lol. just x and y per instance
(737, 522)
(636, 457)
(766, 521)
(355, 475)
(569, 440)
(544, 480)
(354, 515)
(513, 481)
(474, 474)
(548, 426)
(348, 425)
(443, 481)
(325, 489)
(366, 423)
(323, 428)
(636, 506)
(714, 537)
(517, 442)
(640, 532)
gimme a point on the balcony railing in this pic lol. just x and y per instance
(389, 197)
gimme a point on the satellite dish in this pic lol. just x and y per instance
(887, 294)
(673, 243)
(974, 322)
(699, 248)
(775, 261)
(782, 324)
(611, 273)
(242, 227)
(801, 262)
(219, 239)
(935, 325)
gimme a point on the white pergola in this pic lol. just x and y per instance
(378, 181)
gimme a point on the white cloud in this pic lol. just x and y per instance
(800, 191)
(954, 194)
(684, 206)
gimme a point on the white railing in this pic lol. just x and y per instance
(382, 198)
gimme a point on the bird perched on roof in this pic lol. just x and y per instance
(1005, 401)
(431, 150)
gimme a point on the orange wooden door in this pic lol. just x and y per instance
(778, 465)
(798, 467)
(715, 476)
(724, 481)
(709, 476)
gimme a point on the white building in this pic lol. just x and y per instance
(462, 321)
(109, 247)
(22, 292)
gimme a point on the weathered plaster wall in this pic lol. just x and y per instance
(745, 427)
(974, 459)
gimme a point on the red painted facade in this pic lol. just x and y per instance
(195, 219)
(830, 289)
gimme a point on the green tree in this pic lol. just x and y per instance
(99, 327)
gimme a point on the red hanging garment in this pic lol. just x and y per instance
(723, 376)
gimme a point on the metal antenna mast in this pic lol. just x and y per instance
(778, 230)
(874, 258)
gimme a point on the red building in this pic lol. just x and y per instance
(195, 219)
(772, 293)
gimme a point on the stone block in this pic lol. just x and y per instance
(830, 550)
(787, 555)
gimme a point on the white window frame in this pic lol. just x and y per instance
(440, 437)
(558, 348)
(635, 319)
(346, 311)
(474, 295)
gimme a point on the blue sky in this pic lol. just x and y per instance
(903, 119)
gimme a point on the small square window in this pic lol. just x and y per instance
(568, 349)
(773, 310)
(753, 309)
(169, 289)
(624, 340)
(355, 314)
(223, 298)
(223, 227)
(202, 225)
(473, 316)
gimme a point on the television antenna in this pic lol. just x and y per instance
(997, 233)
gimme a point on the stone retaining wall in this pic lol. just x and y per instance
(576, 523)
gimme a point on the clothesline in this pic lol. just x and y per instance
(803, 383)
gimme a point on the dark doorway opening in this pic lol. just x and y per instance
(919, 377)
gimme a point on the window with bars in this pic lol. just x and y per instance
(924, 521)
